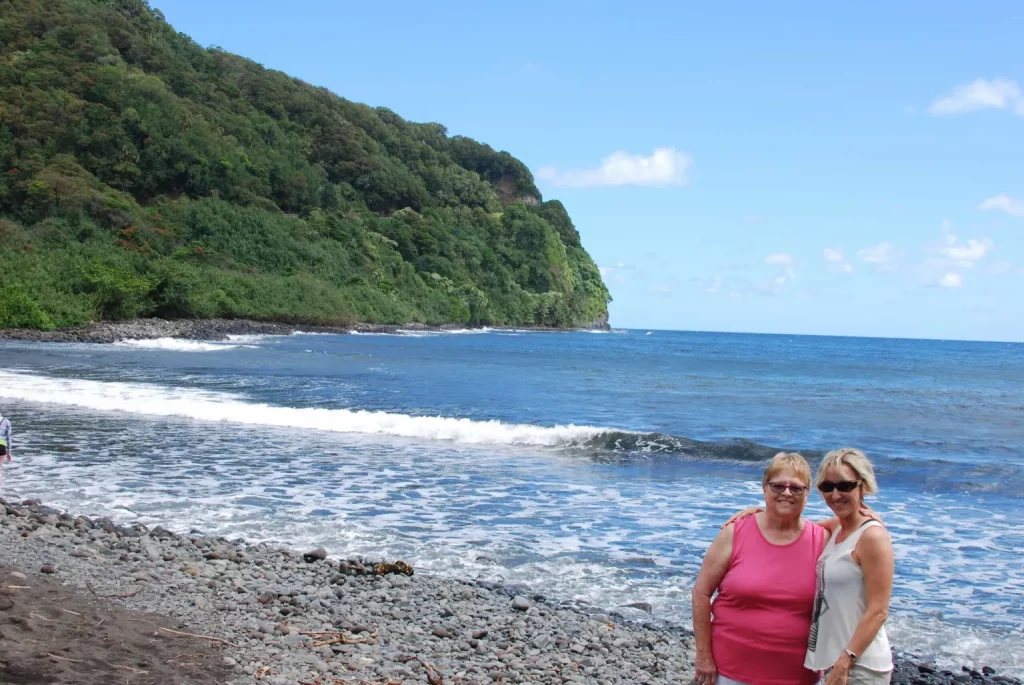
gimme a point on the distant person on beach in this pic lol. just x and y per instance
(853, 579)
(763, 569)
(5, 443)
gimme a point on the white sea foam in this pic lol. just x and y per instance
(155, 400)
(468, 331)
(252, 338)
(178, 345)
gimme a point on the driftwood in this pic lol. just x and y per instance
(201, 637)
(120, 595)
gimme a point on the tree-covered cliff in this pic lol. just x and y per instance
(144, 175)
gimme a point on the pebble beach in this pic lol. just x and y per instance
(290, 617)
(243, 613)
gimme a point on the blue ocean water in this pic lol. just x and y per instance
(591, 467)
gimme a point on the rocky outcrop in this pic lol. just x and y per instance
(217, 329)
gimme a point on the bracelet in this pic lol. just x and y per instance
(849, 653)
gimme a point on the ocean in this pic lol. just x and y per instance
(591, 467)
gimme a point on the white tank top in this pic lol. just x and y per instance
(839, 605)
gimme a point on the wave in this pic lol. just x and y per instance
(595, 442)
(178, 345)
(629, 442)
(205, 405)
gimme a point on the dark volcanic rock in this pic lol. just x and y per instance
(207, 329)
(318, 554)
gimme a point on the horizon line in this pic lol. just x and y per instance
(815, 335)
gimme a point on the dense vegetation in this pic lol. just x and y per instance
(144, 175)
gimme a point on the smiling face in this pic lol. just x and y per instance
(841, 503)
(780, 499)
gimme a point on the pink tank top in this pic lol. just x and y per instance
(762, 613)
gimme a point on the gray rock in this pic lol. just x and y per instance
(520, 603)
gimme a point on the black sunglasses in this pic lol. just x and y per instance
(841, 486)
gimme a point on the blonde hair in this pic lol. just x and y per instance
(857, 461)
(793, 461)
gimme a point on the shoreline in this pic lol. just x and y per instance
(216, 330)
(277, 607)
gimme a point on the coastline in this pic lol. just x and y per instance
(220, 329)
(303, 617)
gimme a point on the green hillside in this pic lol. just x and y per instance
(144, 175)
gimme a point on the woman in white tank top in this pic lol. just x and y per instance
(855, 571)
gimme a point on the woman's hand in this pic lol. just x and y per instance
(872, 515)
(749, 511)
(706, 670)
(839, 674)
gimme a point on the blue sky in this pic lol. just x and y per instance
(772, 167)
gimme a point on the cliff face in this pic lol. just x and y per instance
(143, 175)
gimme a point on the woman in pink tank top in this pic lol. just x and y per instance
(755, 630)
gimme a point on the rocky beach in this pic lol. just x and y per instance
(219, 329)
(188, 608)
(279, 616)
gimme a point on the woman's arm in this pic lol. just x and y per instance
(716, 563)
(829, 524)
(744, 513)
(875, 556)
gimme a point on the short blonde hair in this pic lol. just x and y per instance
(856, 460)
(793, 461)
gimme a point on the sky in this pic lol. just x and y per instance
(796, 167)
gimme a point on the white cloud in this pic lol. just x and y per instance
(666, 166)
(780, 259)
(951, 257)
(951, 280)
(981, 94)
(780, 279)
(960, 254)
(615, 274)
(1004, 202)
(966, 254)
(836, 260)
(877, 254)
